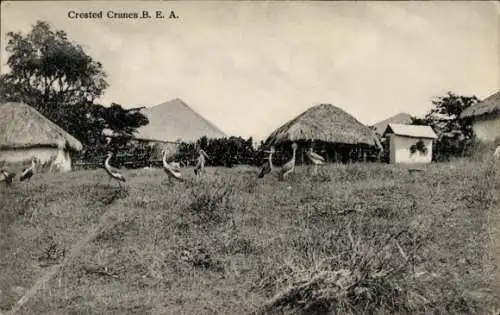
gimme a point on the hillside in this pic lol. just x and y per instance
(357, 238)
(401, 118)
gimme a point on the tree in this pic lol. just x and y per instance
(59, 79)
(454, 134)
(47, 69)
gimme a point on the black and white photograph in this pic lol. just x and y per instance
(250, 157)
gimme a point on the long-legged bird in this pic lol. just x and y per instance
(173, 171)
(268, 166)
(289, 166)
(496, 154)
(200, 165)
(7, 176)
(28, 172)
(113, 172)
(316, 159)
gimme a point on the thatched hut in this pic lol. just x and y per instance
(26, 133)
(332, 132)
(485, 118)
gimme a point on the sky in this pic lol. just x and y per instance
(249, 67)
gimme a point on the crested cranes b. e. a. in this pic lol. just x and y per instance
(200, 165)
(173, 171)
(7, 176)
(289, 166)
(113, 172)
(268, 167)
(316, 159)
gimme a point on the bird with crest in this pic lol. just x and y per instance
(268, 166)
(173, 170)
(316, 159)
(289, 166)
(200, 165)
(113, 172)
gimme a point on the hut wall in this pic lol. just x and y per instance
(487, 130)
(47, 156)
(400, 150)
(62, 162)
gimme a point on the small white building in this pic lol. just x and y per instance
(485, 117)
(26, 133)
(409, 143)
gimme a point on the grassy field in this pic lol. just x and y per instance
(356, 239)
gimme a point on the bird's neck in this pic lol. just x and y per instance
(32, 164)
(106, 162)
(164, 159)
(293, 154)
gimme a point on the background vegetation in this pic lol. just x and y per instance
(455, 136)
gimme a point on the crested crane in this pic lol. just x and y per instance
(173, 171)
(289, 166)
(28, 172)
(496, 154)
(7, 176)
(113, 172)
(268, 167)
(316, 159)
(200, 165)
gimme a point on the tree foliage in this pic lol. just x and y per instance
(455, 136)
(47, 68)
(59, 79)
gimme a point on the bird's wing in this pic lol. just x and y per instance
(120, 177)
(176, 168)
(198, 164)
(316, 156)
(287, 166)
(115, 173)
(177, 175)
(173, 170)
(114, 169)
(265, 170)
(27, 173)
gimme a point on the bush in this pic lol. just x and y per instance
(222, 151)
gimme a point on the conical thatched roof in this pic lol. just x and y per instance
(326, 123)
(489, 106)
(175, 120)
(22, 126)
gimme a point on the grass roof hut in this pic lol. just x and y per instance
(335, 134)
(485, 118)
(26, 133)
